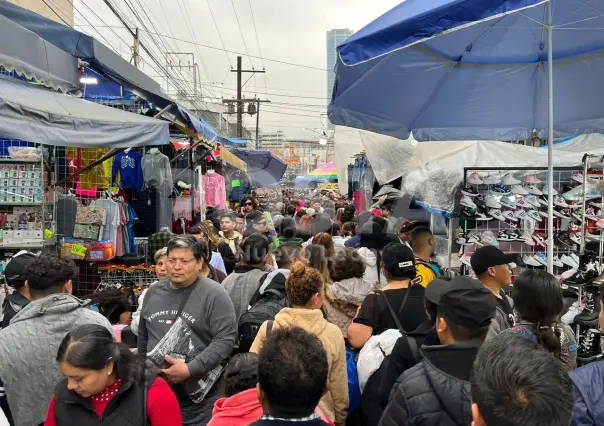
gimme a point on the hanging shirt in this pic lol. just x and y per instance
(128, 167)
(214, 189)
(156, 170)
(99, 175)
(113, 219)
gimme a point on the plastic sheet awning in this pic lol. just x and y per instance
(263, 167)
(42, 116)
(104, 61)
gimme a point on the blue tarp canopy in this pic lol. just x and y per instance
(233, 141)
(102, 60)
(473, 70)
(263, 167)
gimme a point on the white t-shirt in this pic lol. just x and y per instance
(112, 219)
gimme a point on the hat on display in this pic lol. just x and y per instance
(15, 269)
(462, 301)
(489, 256)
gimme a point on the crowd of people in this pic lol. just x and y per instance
(305, 312)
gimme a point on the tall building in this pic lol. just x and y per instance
(334, 38)
(61, 12)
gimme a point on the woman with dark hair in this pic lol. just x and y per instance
(349, 230)
(538, 302)
(373, 239)
(114, 304)
(287, 231)
(105, 382)
(248, 204)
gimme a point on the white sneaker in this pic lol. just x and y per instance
(530, 260)
(519, 190)
(492, 180)
(534, 215)
(509, 215)
(533, 200)
(532, 179)
(524, 204)
(576, 238)
(532, 189)
(509, 180)
(557, 262)
(465, 259)
(521, 215)
(492, 202)
(508, 201)
(467, 202)
(575, 258)
(528, 238)
(569, 261)
(560, 202)
(497, 214)
(489, 238)
(575, 309)
(577, 177)
(474, 179)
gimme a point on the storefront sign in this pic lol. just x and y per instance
(328, 187)
(78, 250)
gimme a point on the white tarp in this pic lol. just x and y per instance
(42, 116)
(433, 171)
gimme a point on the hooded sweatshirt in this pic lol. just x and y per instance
(28, 348)
(242, 409)
(335, 402)
(343, 300)
(371, 271)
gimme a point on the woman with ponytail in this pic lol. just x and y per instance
(105, 380)
(538, 302)
(305, 293)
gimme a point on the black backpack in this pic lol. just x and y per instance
(265, 309)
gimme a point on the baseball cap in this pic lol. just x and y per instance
(399, 260)
(14, 272)
(489, 256)
(462, 301)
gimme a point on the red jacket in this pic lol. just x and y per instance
(241, 410)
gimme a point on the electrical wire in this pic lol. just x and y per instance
(241, 32)
(219, 35)
(259, 49)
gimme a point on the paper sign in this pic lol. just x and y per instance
(78, 250)
(328, 187)
(235, 183)
(48, 234)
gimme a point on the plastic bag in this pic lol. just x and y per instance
(373, 353)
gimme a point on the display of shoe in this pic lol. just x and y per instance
(492, 202)
(557, 262)
(461, 239)
(509, 215)
(519, 190)
(575, 309)
(530, 260)
(492, 179)
(592, 237)
(516, 234)
(600, 223)
(527, 238)
(465, 259)
(573, 228)
(543, 200)
(562, 240)
(543, 214)
(589, 348)
(561, 214)
(506, 236)
(469, 191)
(575, 238)
(466, 201)
(541, 257)
(586, 273)
(577, 177)
(510, 180)
(592, 306)
(531, 179)
(569, 261)
(533, 190)
(497, 214)
(540, 239)
(560, 202)
(592, 213)
(533, 201)
(576, 194)
(534, 215)
(524, 204)
(508, 201)
(474, 179)
(488, 238)
(575, 257)
(473, 238)
(578, 214)
(501, 190)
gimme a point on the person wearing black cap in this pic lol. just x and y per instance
(374, 316)
(492, 268)
(15, 278)
(437, 390)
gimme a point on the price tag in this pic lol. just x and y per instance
(48, 234)
(78, 250)
(236, 183)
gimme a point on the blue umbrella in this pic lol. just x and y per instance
(263, 167)
(476, 69)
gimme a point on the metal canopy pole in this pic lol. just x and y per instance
(550, 142)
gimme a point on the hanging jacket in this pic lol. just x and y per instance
(588, 382)
(28, 348)
(157, 172)
(128, 165)
(436, 392)
(335, 402)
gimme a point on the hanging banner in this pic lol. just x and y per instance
(328, 187)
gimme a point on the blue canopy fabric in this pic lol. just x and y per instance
(233, 141)
(473, 69)
(102, 60)
(263, 167)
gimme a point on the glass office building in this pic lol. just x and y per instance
(334, 38)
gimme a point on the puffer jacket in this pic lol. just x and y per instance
(436, 392)
(588, 382)
(343, 299)
(335, 402)
(28, 348)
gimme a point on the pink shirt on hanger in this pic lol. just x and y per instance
(214, 189)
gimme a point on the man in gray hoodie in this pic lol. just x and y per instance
(28, 347)
(492, 268)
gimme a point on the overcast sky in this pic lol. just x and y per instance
(288, 30)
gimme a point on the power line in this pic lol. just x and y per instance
(241, 32)
(259, 50)
(244, 54)
(219, 35)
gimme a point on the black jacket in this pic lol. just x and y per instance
(227, 256)
(13, 304)
(436, 392)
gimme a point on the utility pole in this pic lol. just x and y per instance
(240, 72)
(135, 50)
(257, 123)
